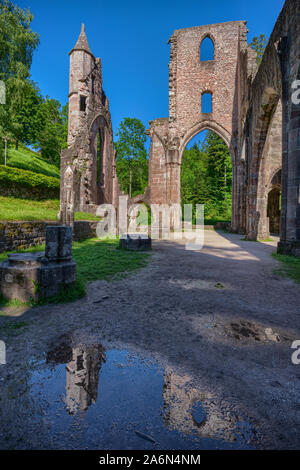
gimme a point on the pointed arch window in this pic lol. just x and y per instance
(207, 49)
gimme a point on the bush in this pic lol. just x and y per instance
(24, 183)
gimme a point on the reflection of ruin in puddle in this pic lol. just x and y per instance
(82, 374)
(189, 410)
(111, 399)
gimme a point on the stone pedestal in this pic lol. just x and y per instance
(40, 275)
(136, 242)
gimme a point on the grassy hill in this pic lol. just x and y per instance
(12, 208)
(24, 209)
(26, 159)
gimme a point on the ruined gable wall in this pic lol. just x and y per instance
(220, 76)
(189, 78)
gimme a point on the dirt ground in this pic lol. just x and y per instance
(219, 316)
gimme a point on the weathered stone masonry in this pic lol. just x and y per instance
(189, 79)
(252, 111)
(88, 170)
(20, 235)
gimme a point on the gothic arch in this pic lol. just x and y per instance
(209, 125)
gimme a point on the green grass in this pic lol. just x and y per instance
(96, 259)
(215, 220)
(290, 266)
(28, 160)
(24, 209)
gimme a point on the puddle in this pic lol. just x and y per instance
(86, 397)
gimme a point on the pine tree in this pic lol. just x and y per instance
(132, 163)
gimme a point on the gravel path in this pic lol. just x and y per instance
(219, 316)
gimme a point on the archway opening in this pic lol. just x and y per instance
(274, 210)
(99, 159)
(206, 176)
(99, 149)
(207, 49)
(274, 204)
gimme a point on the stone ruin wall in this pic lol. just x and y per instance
(87, 181)
(271, 132)
(252, 111)
(226, 77)
(26, 234)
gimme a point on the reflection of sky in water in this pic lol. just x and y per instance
(106, 401)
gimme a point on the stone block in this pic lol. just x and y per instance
(136, 242)
(32, 276)
(40, 275)
(58, 242)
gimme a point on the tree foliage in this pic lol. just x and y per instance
(206, 177)
(17, 41)
(27, 117)
(131, 160)
(53, 129)
(19, 119)
(259, 44)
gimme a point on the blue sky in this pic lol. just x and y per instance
(131, 39)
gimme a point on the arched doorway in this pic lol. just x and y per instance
(100, 150)
(206, 176)
(274, 204)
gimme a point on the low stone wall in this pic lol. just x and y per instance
(84, 229)
(20, 235)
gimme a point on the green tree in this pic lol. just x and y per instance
(20, 116)
(65, 121)
(52, 137)
(17, 41)
(17, 44)
(131, 160)
(219, 173)
(194, 188)
(206, 177)
(259, 44)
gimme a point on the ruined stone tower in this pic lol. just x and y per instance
(88, 172)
